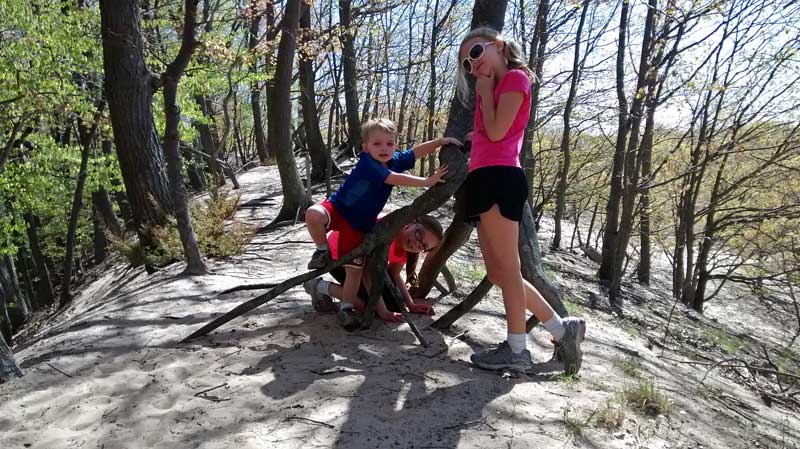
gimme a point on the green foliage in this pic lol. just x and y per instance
(573, 307)
(611, 414)
(630, 366)
(215, 233)
(724, 340)
(473, 272)
(574, 421)
(646, 398)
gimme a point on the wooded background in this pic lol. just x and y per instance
(669, 130)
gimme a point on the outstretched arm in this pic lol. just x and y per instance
(427, 148)
(397, 278)
(403, 179)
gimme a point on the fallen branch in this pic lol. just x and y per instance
(248, 287)
(724, 363)
(308, 420)
(208, 390)
(62, 372)
(469, 423)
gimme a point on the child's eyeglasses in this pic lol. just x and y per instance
(475, 53)
(419, 235)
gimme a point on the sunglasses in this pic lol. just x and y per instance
(475, 53)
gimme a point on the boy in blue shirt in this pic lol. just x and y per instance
(353, 209)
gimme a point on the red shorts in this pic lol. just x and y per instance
(345, 238)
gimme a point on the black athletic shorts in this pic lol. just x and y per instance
(505, 186)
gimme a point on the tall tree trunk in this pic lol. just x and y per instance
(99, 238)
(536, 61)
(347, 37)
(87, 138)
(370, 79)
(633, 161)
(561, 195)
(119, 195)
(129, 88)
(294, 197)
(209, 140)
(197, 180)
(255, 89)
(320, 157)
(172, 113)
(44, 286)
(615, 195)
(17, 308)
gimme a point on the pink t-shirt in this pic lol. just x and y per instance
(504, 152)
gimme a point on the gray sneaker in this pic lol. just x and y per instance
(501, 357)
(348, 319)
(320, 302)
(319, 259)
(569, 348)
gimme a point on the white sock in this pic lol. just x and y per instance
(555, 326)
(346, 305)
(322, 287)
(322, 247)
(517, 342)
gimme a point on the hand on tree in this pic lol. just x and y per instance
(437, 177)
(449, 140)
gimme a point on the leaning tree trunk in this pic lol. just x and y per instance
(129, 88)
(347, 37)
(320, 158)
(170, 79)
(294, 195)
(8, 367)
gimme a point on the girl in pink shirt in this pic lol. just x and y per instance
(497, 191)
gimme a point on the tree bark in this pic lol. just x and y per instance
(255, 89)
(535, 61)
(615, 194)
(632, 165)
(209, 140)
(129, 88)
(320, 157)
(294, 197)
(170, 79)
(99, 238)
(347, 38)
(87, 138)
(44, 287)
(8, 366)
(563, 177)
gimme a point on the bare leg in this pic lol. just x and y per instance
(316, 223)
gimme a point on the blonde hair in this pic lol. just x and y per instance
(382, 124)
(512, 52)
